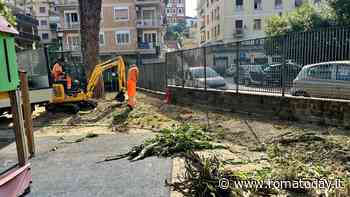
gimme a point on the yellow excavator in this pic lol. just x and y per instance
(73, 100)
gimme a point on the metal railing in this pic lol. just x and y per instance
(148, 23)
(70, 25)
(315, 63)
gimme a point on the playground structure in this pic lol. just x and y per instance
(16, 181)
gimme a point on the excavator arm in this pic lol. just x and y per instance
(117, 62)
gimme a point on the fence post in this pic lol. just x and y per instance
(283, 70)
(237, 68)
(182, 69)
(166, 71)
(205, 67)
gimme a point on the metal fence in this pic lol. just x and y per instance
(276, 65)
(153, 76)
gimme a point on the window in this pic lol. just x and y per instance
(218, 30)
(168, 11)
(42, 10)
(45, 36)
(73, 42)
(150, 38)
(343, 72)
(102, 38)
(180, 10)
(43, 23)
(257, 5)
(122, 37)
(71, 17)
(321, 72)
(121, 13)
(218, 13)
(257, 24)
(278, 4)
(298, 3)
(239, 4)
(239, 24)
(208, 35)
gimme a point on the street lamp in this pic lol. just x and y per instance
(60, 39)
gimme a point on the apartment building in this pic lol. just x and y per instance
(47, 15)
(44, 12)
(27, 25)
(223, 21)
(175, 11)
(128, 27)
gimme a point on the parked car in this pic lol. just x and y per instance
(231, 70)
(273, 73)
(195, 77)
(328, 79)
(251, 75)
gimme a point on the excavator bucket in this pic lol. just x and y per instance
(120, 97)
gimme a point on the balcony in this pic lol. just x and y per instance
(67, 3)
(71, 26)
(27, 36)
(147, 47)
(76, 48)
(143, 23)
(238, 33)
(147, 2)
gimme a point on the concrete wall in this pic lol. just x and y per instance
(310, 110)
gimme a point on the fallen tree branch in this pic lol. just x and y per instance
(170, 142)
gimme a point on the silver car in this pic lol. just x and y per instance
(195, 77)
(328, 80)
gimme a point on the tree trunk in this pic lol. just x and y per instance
(90, 18)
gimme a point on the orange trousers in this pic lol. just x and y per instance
(132, 93)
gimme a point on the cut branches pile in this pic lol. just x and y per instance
(203, 176)
(170, 142)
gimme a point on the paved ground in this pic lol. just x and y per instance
(72, 171)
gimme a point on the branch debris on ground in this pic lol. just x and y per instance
(170, 142)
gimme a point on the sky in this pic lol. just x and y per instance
(191, 6)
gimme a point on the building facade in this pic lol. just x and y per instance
(223, 21)
(128, 27)
(175, 11)
(27, 25)
(47, 15)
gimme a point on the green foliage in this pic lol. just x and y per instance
(171, 142)
(6, 12)
(175, 32)
(277, 25)
(342, 11)
(304, 18)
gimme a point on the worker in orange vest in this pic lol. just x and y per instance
(133, 75)
(57, 70)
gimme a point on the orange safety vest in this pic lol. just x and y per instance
(69, 82)
(57, 71)
(133, 75)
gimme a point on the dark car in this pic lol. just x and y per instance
(251, 74)
(278, 73)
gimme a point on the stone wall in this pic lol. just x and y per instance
(311, 110)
